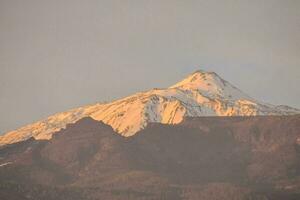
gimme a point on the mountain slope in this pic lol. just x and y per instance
(201, 158)
(200, 94)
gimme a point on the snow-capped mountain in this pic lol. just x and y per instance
(200, 94)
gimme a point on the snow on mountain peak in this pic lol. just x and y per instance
(199, 94)
(210, 84)
(197, 80)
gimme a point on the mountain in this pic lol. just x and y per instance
(200, 94)
(241, 158)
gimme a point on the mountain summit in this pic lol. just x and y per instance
(199, 94)
(211, 85)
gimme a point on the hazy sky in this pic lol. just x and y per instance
(58, 54)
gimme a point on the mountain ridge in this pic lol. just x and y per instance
(199, 94)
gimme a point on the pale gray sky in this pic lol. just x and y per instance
(59, 54)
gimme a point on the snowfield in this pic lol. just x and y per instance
(200, 94)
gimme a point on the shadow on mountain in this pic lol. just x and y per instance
(201, 158)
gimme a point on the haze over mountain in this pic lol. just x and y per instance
(119, 100)
(200, 94)
(75, 54)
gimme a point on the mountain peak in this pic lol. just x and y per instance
(201, 93)
(201, 71)
(196, 80)
(210, 84)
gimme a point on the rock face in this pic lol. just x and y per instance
(200, 94)
(202, 158)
